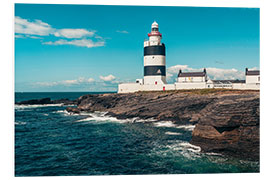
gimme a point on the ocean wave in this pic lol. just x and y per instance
(144, 120)
(172, 133)
(20, 123)
(171, 124)
(101, 117)
(164, 124)
(187, 127)
(18, 107)
(66, 113)
(190, 147)
(177, 148)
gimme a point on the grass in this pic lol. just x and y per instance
(201, 91)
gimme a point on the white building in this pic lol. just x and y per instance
(155, 72)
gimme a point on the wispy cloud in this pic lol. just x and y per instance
(79, 84)
(123, 31)
(212, 72)
(77, 42)
(107, 78)
(37, 29)
(73, 33)
(78, 81)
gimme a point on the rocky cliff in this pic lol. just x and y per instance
(226, 121)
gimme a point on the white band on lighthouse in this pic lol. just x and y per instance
(154, 60)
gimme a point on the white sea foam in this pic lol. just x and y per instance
(35, 106)
(176, 148)
(190, 147)
(144, 120)
(187, 127)
(172, 133)
(213, 154)
(171, 124)
(20, 123)
(101, 117)
(164, 124)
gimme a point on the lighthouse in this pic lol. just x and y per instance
(154, 58)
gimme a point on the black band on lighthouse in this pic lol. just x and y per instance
(154, 50)
(154, 71)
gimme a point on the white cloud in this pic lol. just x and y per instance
(79, 81)
(46, 84)
(107, 78)
(213, 73)
(123, 32)
(225, 74)
(77, 42)
(73, 33)
(19, 36)
(90, 80)
(254, 68)
(70, 82)
(37, 27)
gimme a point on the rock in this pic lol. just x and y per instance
(48, 101)
(36, 101)
(230, 125)
(65, 101)
(73, 110)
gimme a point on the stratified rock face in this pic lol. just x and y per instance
(36, 101)
(230, 125)
(47, 101)
(225, 122)
(175, 107)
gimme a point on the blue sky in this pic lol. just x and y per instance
(93, 48)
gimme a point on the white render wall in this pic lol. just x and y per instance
(252, 79)
(148, 80)
(135, 87)
(199, 85)
(191, 79)
(154, 40)
(246, 86)
(129, 87)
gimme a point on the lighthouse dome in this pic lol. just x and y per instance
(154, 25)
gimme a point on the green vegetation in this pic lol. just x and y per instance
(200, 91)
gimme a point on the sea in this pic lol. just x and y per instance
(49, 141)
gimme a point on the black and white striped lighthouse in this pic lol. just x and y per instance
(154, 58)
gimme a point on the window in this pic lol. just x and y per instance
(258, 78)
(154, 29)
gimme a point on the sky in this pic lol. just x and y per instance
(64, 48)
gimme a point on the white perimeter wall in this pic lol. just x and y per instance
(134, 87)
(129, 87)
(198, 85)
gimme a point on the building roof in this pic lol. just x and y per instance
(252, 72)
(228, 81)
(192, 74)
